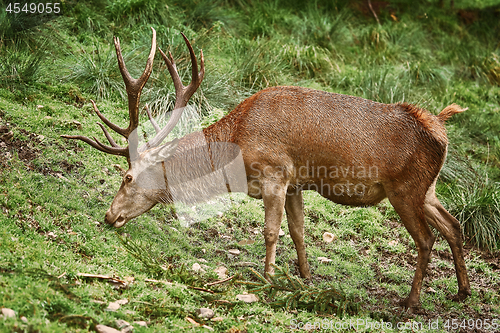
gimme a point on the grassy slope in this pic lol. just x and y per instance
(53, 192)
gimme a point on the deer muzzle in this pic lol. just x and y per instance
(116, 221)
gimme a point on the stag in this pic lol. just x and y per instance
(351, 150)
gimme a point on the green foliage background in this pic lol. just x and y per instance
(52, 65)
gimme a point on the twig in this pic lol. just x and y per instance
(96, 276)
(373, 12)
(223, 301)
(103, 277)
(158, 281)
(202, 289)
(221, 281)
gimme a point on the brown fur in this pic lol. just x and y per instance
(351, 150)
(283, 130)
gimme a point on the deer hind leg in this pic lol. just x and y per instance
(294, 207)
(273, 195)
(437, 216)
(413, 219)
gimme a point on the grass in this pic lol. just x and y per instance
(54, 193)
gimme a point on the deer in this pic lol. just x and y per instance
(351, 150)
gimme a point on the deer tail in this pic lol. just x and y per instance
(449, 111)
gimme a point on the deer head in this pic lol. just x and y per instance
(143, 180)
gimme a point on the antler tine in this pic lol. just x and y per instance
(108, 136)
(182, 93)
(196, 77)
(99, 146)
(114, 127)
(133, 86)
(151, 119)
(122, 151)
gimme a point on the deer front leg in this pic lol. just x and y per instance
(273, 195)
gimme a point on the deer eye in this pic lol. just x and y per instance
(128, 178)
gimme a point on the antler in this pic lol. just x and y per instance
(182, 93)
(134, 88)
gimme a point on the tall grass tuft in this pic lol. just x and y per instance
(19, 65)
(15, 27)
(474, 200)
(478, 210)
(97, 72)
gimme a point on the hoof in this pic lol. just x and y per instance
(461, 296)
(407, 304)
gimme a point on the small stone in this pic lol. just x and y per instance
(205, 313)
(197, 268)
(221, 272)
(77, 124)
(7, 136)
(234, 252)
(24, 319)
(97, 301)
(105, 329)
(122, 323)
(124, 326)
(246, 242)
(393, 242)
(281, 233)
(122, 301)
(8, 313)
(39, 106)
(324, 260)
(141, 323)
(328, 237)
(218, 319)
(247, 298)
(60, 176)
(47, 117)
(202, 260)
(113, 306)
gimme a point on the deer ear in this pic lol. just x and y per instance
(165, 151)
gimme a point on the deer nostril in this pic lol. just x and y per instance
(108, 218)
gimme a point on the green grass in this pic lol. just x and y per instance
(54, 193)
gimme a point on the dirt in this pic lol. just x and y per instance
(28, 150)
(392, 312)
(479, 283)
